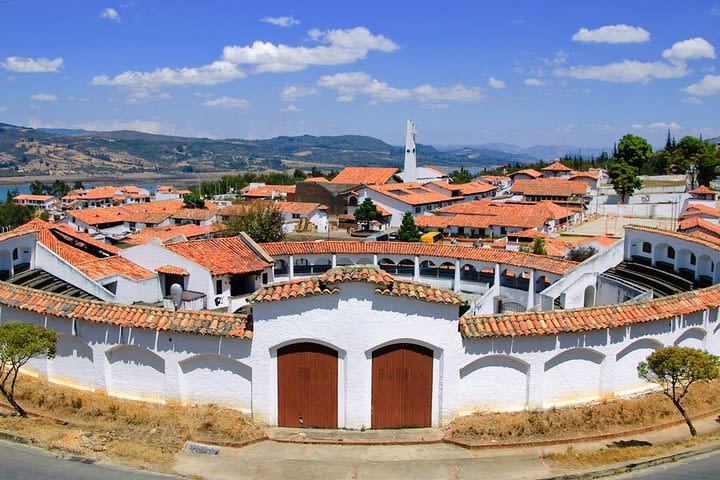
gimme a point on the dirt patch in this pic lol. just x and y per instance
(140, 434)
(571, 422)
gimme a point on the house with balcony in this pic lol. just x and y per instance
(35, 201)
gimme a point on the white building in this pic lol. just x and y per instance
(36, 201)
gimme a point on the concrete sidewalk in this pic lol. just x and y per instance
(275, 460)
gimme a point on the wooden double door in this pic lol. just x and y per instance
(402, 386)
(307, 386)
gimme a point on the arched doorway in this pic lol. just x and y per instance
(402, 376)
(307, 386)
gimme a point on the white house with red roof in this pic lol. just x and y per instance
(400, 198)
(296, 215)
(35, 201)
(557, 170)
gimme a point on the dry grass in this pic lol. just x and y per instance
(568, 422)
(573, 460)
(141, 434)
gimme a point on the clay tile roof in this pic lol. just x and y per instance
(473, 188)
(98, 193)
(148, 213)
(114, 265)
(231, 255)
(269, 190)
(697, 223)
(385, 283)
(317, 179)
(171, 270)
(181, 321)
(206, 213)
(700, 209)
(549, 187)
(583, 175)
(365, 175)
(703, 190)
(505, 257)
(528, 171)
(557, 166)
(586, 319)
(188, 231)
(38, 198)
(412, 193)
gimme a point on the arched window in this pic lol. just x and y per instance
(646, 247)
(352, 200)
(693, 259)
(671, 253)
(15, 254)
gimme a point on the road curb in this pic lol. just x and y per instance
(635, 466)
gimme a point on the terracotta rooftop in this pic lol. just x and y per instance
(583, 175)
(172, 270)
(269, 191)
(201, 214)
(697, 223)
(115, 265)
(188, 231)
(495, 178)
(549, 187)
(528, 171)
(700, 209)
(327, 284)
(317, 179)
(181, 321)
(703, 190)
(587, 319)
(503, 214)
(412, 193)
(302, 208)
(99, 193)
(36, 198)
(525, 260)
(222, 256)
(669, 233)
(365, 175)
(557, 166)
(148, 213)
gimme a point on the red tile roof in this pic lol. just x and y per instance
(317, 179)
(549, 187)
(201, 214)
(525, 260)
(302, 208)
(37, 198)
(181, 321)
(703, 190)
(172, 270)
(99, 193)
(697, 223)
(268, 191)
(557, 166)
(583, 175)
(602, 240)
(149, 213)
(503, 214)
(189, 231)
(365, 175)
(586, 319)
(412, 193)
(116, 265)
(326, 284)
(528, 171)
(222, 256)
(700, 209)
(473, 188)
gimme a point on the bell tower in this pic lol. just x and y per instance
(410, 171)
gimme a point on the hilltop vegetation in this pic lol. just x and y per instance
(29, 152)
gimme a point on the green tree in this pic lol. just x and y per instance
(19, 342)
(78, 185)
(193, 200)
(624, 178)
(37, 187)
(538, 246)
(299, 175)
(676, 369)
(461, 176)
(262, 221)
(13, 215)
(694, 151)
(366, 212)
(408, 231)
(634, 151)
(659, 163)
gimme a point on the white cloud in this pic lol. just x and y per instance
(534, 82)
(339, 47)
(351, 84)
(212, 74)
(293, 92)
(44, 97)
(226, 102)
(626, 71)
(657, 126)
(291, 109)
(142, 95)
(691, 49)
(693, 100)
(281, 21)
(709, 85)
(495, 83)
(32, 65)
(110, 14)
(3, 109)
(612, 34)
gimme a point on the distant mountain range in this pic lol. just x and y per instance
(79, 153)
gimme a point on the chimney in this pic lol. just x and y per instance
(410, 172)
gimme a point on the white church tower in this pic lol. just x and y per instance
(410, 171)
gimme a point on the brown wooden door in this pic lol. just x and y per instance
(402, 386)
(307, 386)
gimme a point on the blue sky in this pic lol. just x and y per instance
(523, 72)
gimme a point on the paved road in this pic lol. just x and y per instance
(18, 462)
(706, 467)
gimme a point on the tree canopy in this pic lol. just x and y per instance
(676, 369)
(262, 221)
(624, 178)
(366, 212)
(408, 231)
(633, 150)
(19, 342)
(193, 200)
(461, 176)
